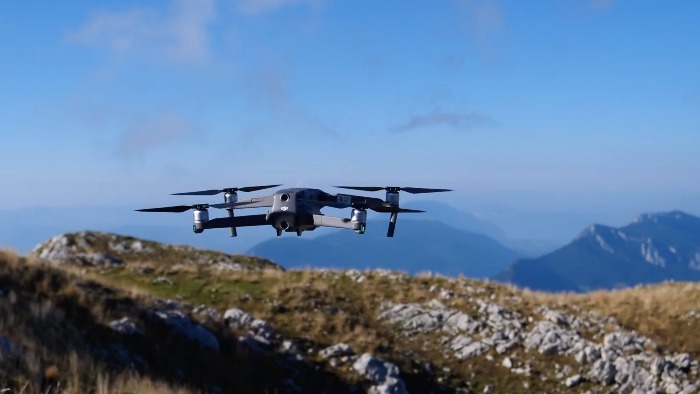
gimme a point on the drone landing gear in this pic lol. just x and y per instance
(299, 233)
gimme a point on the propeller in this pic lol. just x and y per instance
(183, 208)
(230, 196)
(412, 190)
(212, 192)
(391, 205)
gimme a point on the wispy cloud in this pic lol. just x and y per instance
(485, 23)
(259, 7)
(438, 117)
(180, 34)
(147, 134)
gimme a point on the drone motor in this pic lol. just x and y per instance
(359, 220)
(201, 216)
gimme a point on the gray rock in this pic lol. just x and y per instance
(549, 338)
(375, 369)
(260, 329)
(657, 366)
(385, 374)
(488, 389)
(355, 275)
(390, 386)
(446, 294)
(125, 326)
(460, 322)
(465, 347)
(413, 318)
(630, 374)
(238, 318)
(183, 325)
(338, 350)
(603, 372)
(683, 361)
(97, 259)
(573, 381)
(555, 317)
(207, 311)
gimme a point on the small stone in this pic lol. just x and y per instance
(338, 350)
(488, 389)
(573, 381)
(507, 362)
(124, 326)
(162, 280)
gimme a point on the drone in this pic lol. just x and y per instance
(296, 209)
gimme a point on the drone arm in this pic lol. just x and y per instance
(330, 221)
(236, 221)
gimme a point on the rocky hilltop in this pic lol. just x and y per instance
(153, 326)
(93, 248)
(652, 249)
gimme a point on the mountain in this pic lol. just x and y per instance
(168, 319)
(419, 245)
(652, 249)
(455, 217)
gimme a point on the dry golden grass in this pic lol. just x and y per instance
(325, 308)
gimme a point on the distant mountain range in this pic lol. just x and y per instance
(419, 245)
(654, 248)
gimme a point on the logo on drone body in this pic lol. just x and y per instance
(284, 208)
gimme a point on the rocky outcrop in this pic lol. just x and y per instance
(617, 358)
(259, 330)
(90, 248)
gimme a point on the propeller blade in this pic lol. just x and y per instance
(363, 188)
(183, 208)
(419, 190)
(406, 210)
(392, 224)
(412, 190)
(256, 188)
(388, 208)
(212, 192)
(176, 208)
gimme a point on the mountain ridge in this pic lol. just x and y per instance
(653, 248)
(419, 245)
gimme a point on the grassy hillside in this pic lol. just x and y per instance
(419, 323)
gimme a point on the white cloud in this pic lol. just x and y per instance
(259, 7)
(180, 34)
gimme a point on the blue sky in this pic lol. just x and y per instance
(582, 105)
